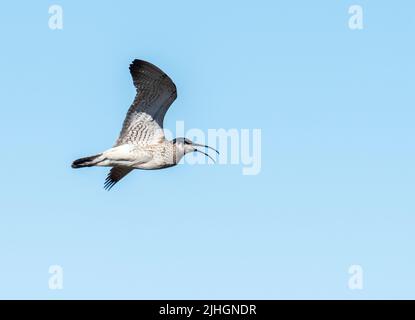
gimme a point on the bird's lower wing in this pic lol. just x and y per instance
(115, 175)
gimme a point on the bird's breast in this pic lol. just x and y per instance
(161, 157)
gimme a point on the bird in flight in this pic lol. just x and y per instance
(142, 144)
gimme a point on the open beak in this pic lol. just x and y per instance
(204, 146)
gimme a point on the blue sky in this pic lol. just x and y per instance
(335, 107)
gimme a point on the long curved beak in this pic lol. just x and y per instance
(204, 146)
(196, 150)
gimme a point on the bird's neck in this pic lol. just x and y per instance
(177, 154)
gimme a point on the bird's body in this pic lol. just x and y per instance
(148, 157)
(142, 144)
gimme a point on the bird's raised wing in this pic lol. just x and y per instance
(155, 93)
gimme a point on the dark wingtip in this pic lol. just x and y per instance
(109, 183)
(137, 63)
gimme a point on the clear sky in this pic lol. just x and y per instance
(336, 110)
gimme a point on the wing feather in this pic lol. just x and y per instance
(155, 93)
(115, 175)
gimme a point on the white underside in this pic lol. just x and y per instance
(131, 156)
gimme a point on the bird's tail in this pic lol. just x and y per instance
(87, 161)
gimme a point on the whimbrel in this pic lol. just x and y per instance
(141, 143)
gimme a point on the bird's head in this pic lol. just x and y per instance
(184, 146)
